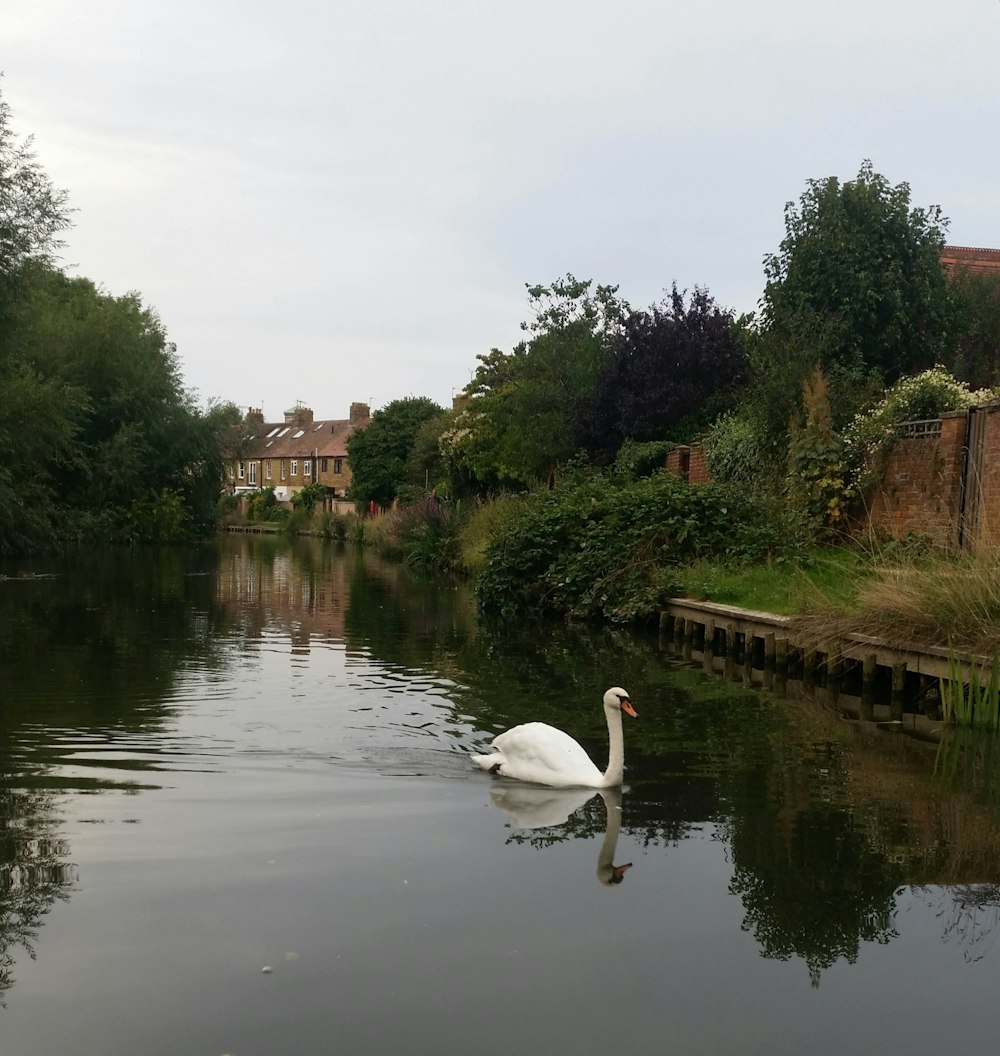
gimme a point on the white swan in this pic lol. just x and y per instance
(543, 755)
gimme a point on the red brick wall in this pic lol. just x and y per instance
(920, 489)
(688, 463)
(698, 471)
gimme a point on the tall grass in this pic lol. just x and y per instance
(937, 599)
(975, 704)
(479, 527)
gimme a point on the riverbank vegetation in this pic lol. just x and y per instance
(548, 473)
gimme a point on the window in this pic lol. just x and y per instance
(338, 465)
(295, 467)
(307, 467)
(253, 473)
(267, 469)
(284, 469)
(323, 465)
(243, 470)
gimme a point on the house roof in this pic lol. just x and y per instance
(301, 436)
(323, 438)
(974, 259)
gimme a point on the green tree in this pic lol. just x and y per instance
(977, 316)
(378, 453)
(523, 418)
(32, 211)
(857, 278)
(670, 370)
(426, 468)
(98, 436)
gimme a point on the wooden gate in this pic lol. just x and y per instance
(972, 479)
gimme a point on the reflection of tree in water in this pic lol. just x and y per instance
(115, 628)
(971, 914)
(816, 892)
(34, 873)
(93, 648)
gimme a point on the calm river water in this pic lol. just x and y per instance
(238, 817)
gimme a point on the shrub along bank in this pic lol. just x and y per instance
(601, 545)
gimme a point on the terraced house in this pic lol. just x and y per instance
(290, 454)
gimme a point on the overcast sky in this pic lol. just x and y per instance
(336, 201)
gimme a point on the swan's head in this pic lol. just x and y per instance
(618, 699)
(610, 875)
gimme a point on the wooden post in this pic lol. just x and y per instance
(781, 655)
(688, 638)
(898, 685)
(833, 660)
(708, 645)
(868, 668)
(666, 625)
(729, 667)
(769, 651)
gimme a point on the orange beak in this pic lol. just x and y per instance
(628, 709)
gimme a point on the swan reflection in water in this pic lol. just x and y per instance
(531, 807)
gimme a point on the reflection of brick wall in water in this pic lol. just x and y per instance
(921, 483)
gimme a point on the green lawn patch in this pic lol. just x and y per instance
(825, 579)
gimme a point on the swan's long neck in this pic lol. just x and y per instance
(613, 823)
(616, 749)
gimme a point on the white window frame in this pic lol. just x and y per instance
(284, 469)
(252, 474)
(267, 469)
(242, 471)
(295, 467)
(307, 467)
(338, 465)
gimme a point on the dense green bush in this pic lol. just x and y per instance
(263, 506)
(740, 452)
(309, 497)
(599, 546)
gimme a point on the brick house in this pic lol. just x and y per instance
(979, 261)
(290, 454)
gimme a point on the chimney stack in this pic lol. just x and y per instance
(359, 412)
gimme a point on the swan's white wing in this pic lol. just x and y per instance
(540, 753)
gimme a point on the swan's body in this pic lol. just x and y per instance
(544, 755)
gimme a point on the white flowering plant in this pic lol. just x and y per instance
(919, 397)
